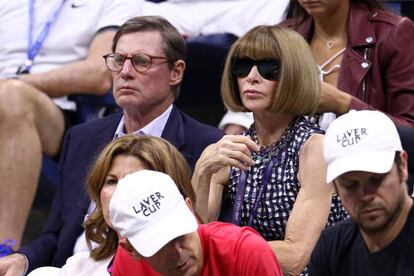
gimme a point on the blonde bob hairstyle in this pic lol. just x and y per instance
(298, 86)
(157, 154)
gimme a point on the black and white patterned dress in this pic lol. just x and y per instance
(280, 193)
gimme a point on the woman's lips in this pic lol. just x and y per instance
(311, 4)
(251, 93)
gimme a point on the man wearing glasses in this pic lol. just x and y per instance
(147, 66)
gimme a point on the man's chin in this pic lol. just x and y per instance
(372, 228)
(189, 268)
(374, 223)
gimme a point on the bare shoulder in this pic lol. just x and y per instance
(312, 166)
(312, 146)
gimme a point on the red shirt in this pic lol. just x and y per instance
(227, 249)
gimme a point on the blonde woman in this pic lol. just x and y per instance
(121, 157)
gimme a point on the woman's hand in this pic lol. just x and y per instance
(231, 150)
(211, 172)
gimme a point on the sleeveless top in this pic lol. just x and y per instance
(280, 193)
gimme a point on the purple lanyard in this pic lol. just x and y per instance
(241, 191)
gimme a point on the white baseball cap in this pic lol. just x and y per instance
(360, 141)
(148, 209)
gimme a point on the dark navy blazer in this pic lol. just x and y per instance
(80, 147)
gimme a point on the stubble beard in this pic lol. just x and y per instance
(388, 217)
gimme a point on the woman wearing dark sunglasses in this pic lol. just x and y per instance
(274, 172)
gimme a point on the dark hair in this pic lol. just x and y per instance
(298, 13)
(173, 43)
(397, 161)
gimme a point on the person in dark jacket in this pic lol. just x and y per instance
(147, 65)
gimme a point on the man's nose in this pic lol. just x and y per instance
(368, 191)
(127, 68)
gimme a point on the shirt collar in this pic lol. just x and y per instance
(153, 128)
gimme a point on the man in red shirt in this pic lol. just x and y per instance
(160, 232)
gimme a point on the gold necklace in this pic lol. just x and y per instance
(329, 43)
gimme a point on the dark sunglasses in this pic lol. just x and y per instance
(268, 68)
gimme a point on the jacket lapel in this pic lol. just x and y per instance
(174, 129)
(356, 62)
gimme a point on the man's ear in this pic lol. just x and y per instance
(177, 73)
(129, 248)
(189, 204)
(404, 166)
(191, 207)
(335, 186)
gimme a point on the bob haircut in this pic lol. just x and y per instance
(157, 154)
(298, 86)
